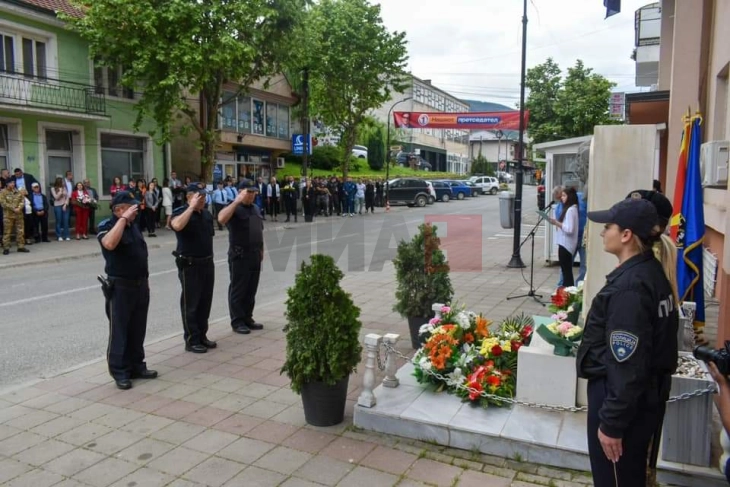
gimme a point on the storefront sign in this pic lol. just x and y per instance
(301, 143)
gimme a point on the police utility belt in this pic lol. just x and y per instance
(108, 284)
(183, 261)
(238, 251)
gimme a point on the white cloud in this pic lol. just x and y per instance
(471, 48)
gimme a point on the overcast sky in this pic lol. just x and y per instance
(471, 48)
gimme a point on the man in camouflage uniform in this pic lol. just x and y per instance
(13, 204)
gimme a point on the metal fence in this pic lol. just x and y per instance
(51, 94)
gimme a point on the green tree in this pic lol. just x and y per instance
(563, 108)
(181, 49)
(354, 61)
(480, 165)
(376, 150)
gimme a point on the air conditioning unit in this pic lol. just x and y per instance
(280, 163)
(714, 162)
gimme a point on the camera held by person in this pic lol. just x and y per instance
(720, 357)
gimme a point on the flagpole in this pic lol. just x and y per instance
(516, 260)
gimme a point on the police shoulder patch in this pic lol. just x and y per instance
(104, 224)
(623, 345)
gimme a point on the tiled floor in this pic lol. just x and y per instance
(227, 418)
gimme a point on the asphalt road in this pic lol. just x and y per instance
(52, 316)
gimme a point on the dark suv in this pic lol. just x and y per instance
(411, 191)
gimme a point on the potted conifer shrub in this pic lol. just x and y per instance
(423, 279)
(322, 340)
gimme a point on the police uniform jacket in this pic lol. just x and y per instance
(196, 239)
(630, 339)
(245, 229)
(129, 259)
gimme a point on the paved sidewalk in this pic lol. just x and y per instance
(228, 418)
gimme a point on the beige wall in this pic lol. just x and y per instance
(665, 48)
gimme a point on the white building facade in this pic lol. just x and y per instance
(444, 149)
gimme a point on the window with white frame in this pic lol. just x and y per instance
(108, 81)
(24, 54)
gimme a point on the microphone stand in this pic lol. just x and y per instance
(531, 293)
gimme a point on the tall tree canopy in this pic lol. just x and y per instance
(354, 62)
(177, 50)
(561, 108)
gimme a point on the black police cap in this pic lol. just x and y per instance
(123, 198)
(637, 215)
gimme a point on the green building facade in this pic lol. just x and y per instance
(58, 112)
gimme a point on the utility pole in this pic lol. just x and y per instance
(516, 260)
(305, 121)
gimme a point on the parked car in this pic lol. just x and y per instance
(488, 184)
(443, 191)
(411, 191)
(459, 189)
(504, 177)
(431, 193)
(475, 190)
(360, 151)
(402, 159)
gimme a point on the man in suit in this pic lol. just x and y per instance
(23, 180)
(39, 215)
(261, 197)
(92, 212)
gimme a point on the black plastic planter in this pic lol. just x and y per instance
(324, 405)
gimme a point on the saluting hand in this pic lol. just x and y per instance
(130, 212)
(195, 201)
(240, 197)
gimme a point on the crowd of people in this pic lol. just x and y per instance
(25, 209)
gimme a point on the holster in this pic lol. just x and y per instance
(106, 286)
(181, 261)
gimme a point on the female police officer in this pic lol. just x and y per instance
(629, 347)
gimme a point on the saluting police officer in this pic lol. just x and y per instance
(193, 226)
(629, 346)
(245, 254)
(127, 292)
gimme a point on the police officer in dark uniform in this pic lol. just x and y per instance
(193, 226)
(245, 254)
(629, 347)
(126, 290)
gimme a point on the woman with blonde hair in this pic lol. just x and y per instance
(629, 347)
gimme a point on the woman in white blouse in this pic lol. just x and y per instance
(567, 238)
(167, 201)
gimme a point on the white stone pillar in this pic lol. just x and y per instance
(390, 380)
(372, 346)
(436, 308)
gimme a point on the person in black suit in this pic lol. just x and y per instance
(23, 180)
(39, 215)
(290, 194)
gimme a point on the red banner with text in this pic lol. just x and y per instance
(466, 121)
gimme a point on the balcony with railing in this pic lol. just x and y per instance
(50, 95)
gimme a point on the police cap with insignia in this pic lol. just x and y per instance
(635, 214)
(195, 188)
(248, 185)
(123, 198)
(661, 203)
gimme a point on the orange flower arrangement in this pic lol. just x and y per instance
(482, 326)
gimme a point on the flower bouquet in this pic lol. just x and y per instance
(568, 300)
(462, 356)
(562, 335)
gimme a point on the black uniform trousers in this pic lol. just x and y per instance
(631, 468)
(244, 270)
(291, 207)
(126, 308)
(218, 207)
(197, 282)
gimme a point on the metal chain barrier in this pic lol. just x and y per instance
(711, 389)
(381, 362)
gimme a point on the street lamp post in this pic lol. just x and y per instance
(499, 134)
(387, 149)
(516, 260)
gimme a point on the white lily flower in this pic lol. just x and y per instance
(427, 328)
